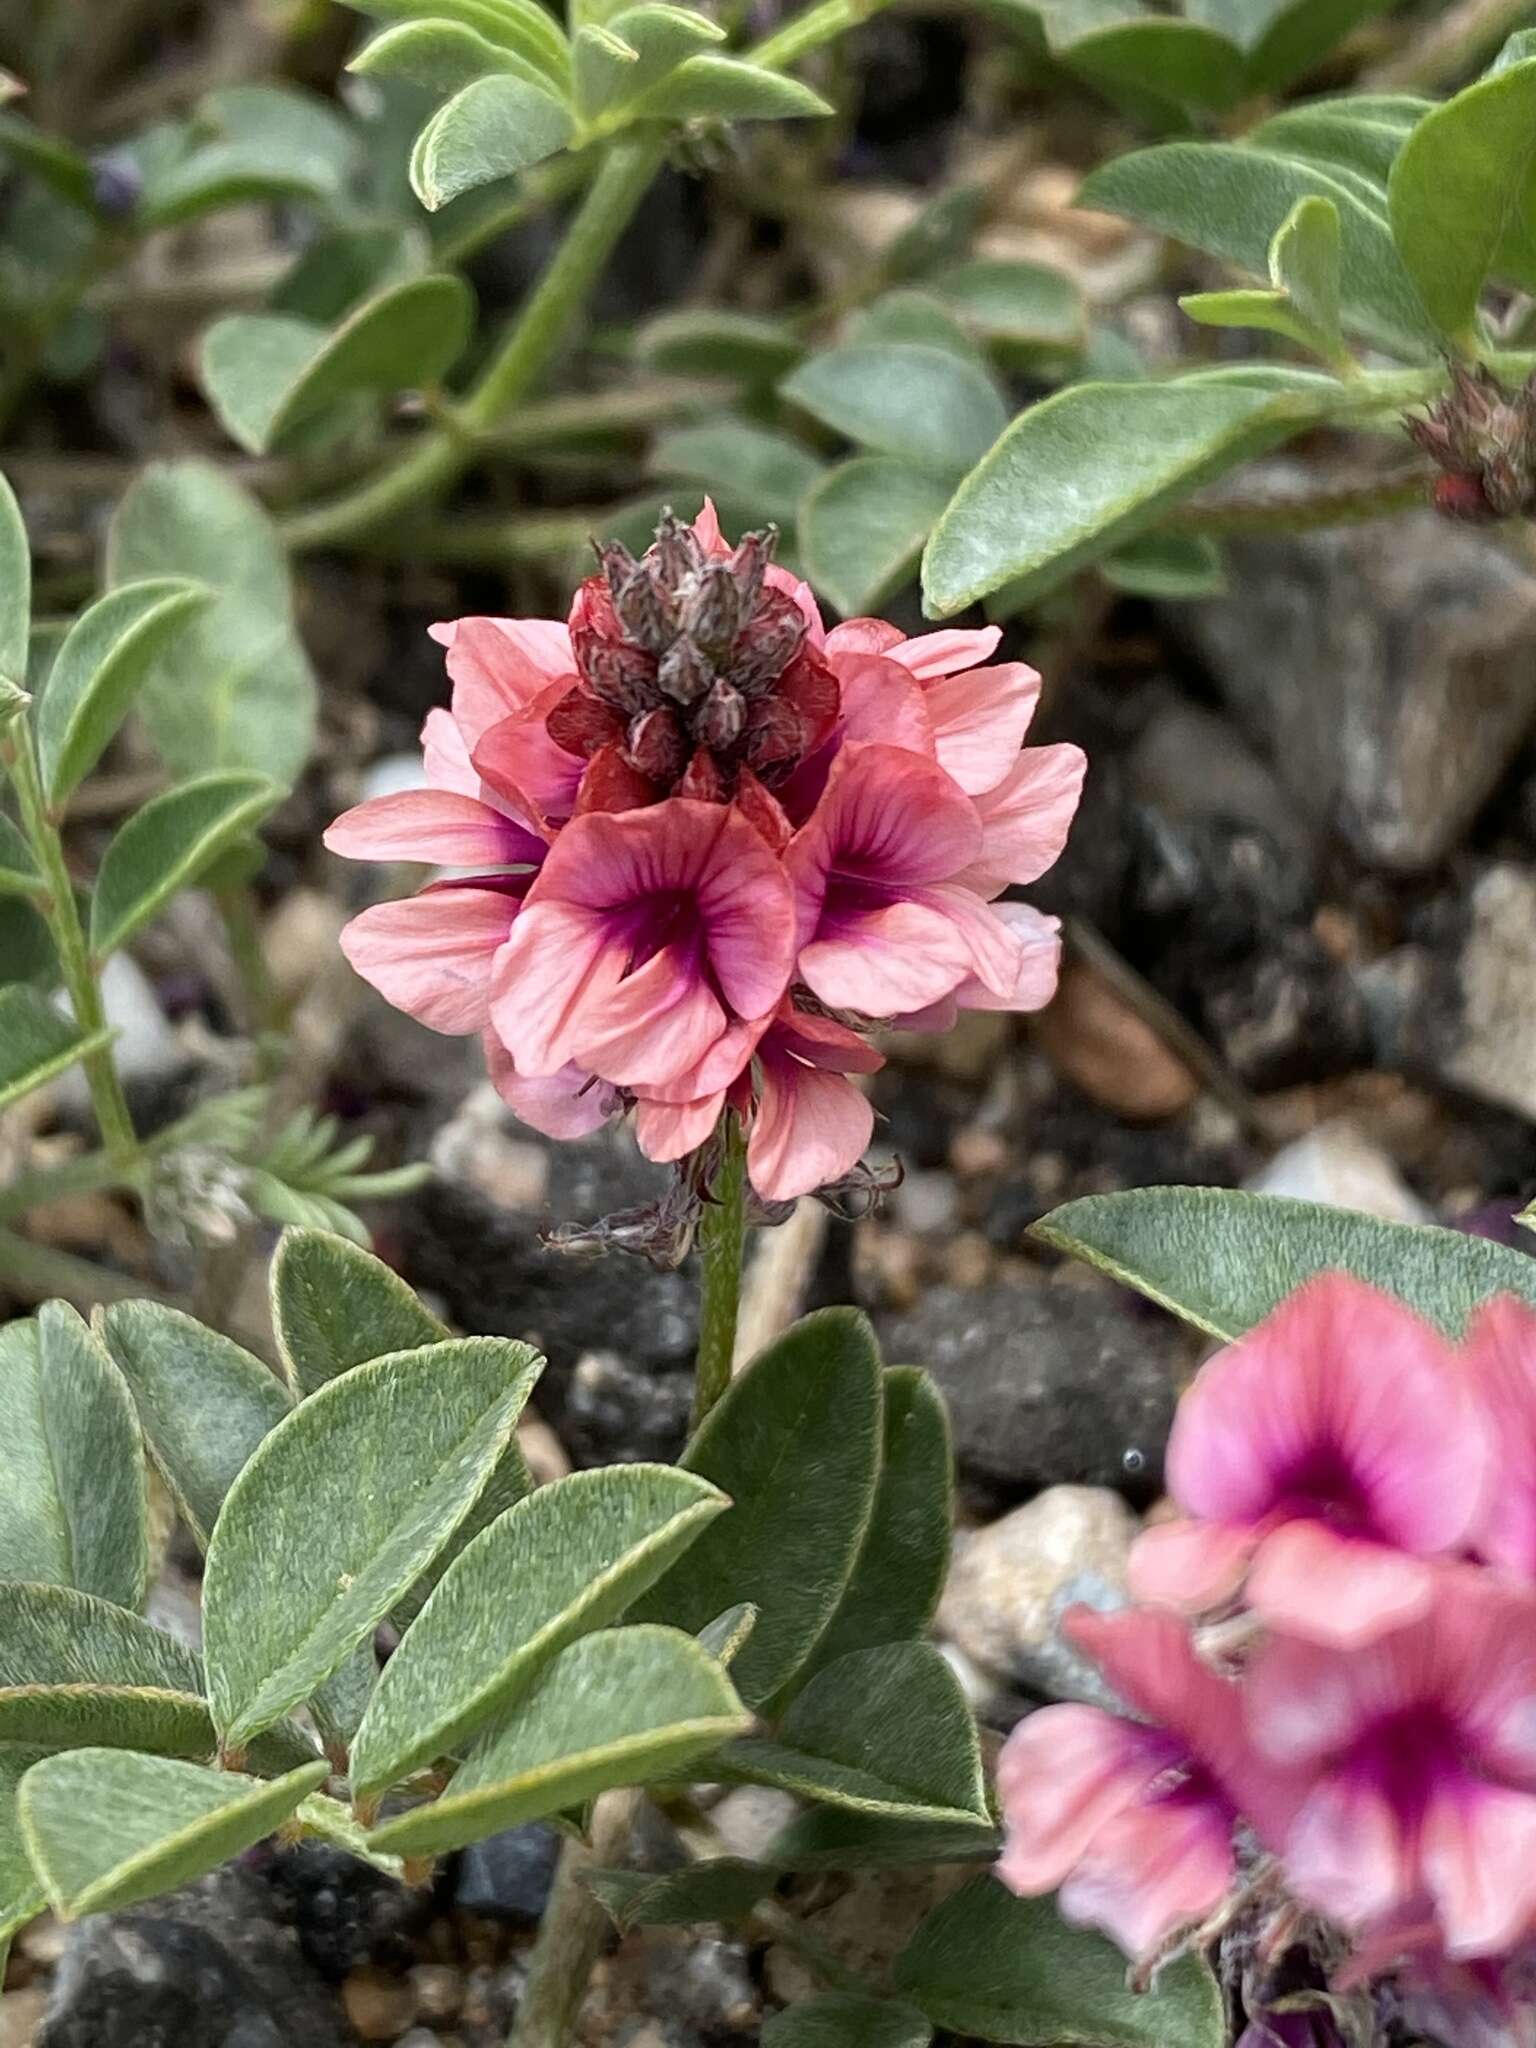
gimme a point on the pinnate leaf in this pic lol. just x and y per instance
(340, 1510)
(37, 1041)
(568, 1559)
(725, 1888)
(442, 56)
(167, 846)
(901, 398)
(489, 130)
(809, 1405)
(106, 1828)
(335, 1305)
(863, 527)
(621, 1707)
(73, 1508)
(1222, 1260)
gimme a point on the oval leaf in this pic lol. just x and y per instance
(725, 1888)
(1012, 1971)
(835, 1838)
(844, 2020)
(52, 1635)
(15, 588)
(167, 845)
(54, 1717)
(1459, 181)
(1029, 305)
(335, 1305)
(1222, 1260)
(73, 1508)
(204, 1404)
(863, 526)
(765, 469)
(267, 375)
(105, 1828)
(489, 130)
(569, 1559)
(1178, 65)
(18, 870)
(521, 26)
(107, 654)
(37, 1041)
(810, 1404)
(884, 1731)
(900, 398)
(340, 1509)
(711, 341)
(727, 89)
(619, 1708)
(1036, 509)
(442, 56)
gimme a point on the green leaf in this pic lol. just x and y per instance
(728, 89)
(167, 845)
(809, 1405)
(1030, 306)
(343, 266)
(53, 1717)
(1222, 1260)
(1090, 468)
(55, 1636)
(1297, 33)
(106, 1828)
(1167, 565)
(489, 130)
(1269, 311)
(1012, 1971)
(338, 1706)
(37, 1041)
(335, 1306)
(1229, 199)
(568, 1559)
(21, 1896)
(332, 1822)
(358, 1490)
(765, 468)
(18, 871)
(107, 655)
(73, 1511)
(724, 1888)
(834, 1838)
(729, 1633)
(1161, 62)
(899, 398)
(15, 588)
(266, 374)
(27, 954)
(940, 233)
(1306, 261)
(522, 27)
(884, 1731)
(442, 57)
(917, 316)
(63, 169)
(863, 526)
(204, 1404)
(1362, 134)
(713, 341)
(842, 2019)
(622, 1707)
(618, 62)
(235, 690)
(1459, 182)
(900, 1571)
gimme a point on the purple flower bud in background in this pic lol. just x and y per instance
(117, 184)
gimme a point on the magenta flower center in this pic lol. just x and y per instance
(1409, 1755)
(1322, 1485)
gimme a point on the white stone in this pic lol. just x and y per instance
(1337, 1164)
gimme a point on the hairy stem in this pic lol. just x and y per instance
(19, 758)
(722, 1243)
(1343, 504)
(36, 1272)
(574, 1930)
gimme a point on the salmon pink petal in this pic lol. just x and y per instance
(1348, 1853)
(824, 1042)
(1478, 1846)
(1002, 959)
(1025, 818)
(881, 703)
(1500, 1351)
(1310, 1582)
(1190, 1565)
(520, 762)
(747, 909)
(942, 653)
(445, 757)
(1158, 1867)
(1037, 967)
(810, 1127)
(881, 962)
(499, 666)
(570, 1104)
(431, 955)
(433, 826)
(979, 719)
(659, 1022)
(1064, 1772)
(558, 963)
(1149, 1660)
(670, 1130)
(706, 530)
(863, 636)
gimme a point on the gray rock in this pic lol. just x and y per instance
(1336, 1163)
(1493, 1049)
(1389, 668)
(209, 1968)
(1044, 1384)
(508, 1876)
(1190, 763)
(704, 1982)
(1010, 1584)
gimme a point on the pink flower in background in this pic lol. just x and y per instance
(717, 846)
(1501, 1353)
(1420, 1751)
(1327, 1462)
(1133, 1820)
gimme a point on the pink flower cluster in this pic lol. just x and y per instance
(714, 844)
(1358, 1501)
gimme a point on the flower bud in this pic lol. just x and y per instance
(676, 556)
(684, 674)
(645, 611)
(768, 642)
(748, 563)
(622, 676)
(713, 614)
(719, 723)
(656, 745)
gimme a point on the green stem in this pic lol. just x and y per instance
(1348, 504)
(574, 1930)
(37, 1272)
(809, 31)
(441, 457)
(79, 975)
(242, 930)
(722, 1243)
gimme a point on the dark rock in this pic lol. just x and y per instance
(343, 1910)
(1044, 1384)
(613, 1414)
(1386, 667)
(210, 1967)
(508, 1876)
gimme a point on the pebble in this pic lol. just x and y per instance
(1494, 1049)
(146, 1047)
(749, 1818)
(1010, 1582)
(20, 2012)
(380, 2006)
(1098, 1042)
(507, 1876)
(439, 1990)
(1336, 1163)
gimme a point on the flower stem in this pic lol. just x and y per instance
(722, 1242)
(574, 1930)
(441, 456)
(1343, 504)
(19, 758)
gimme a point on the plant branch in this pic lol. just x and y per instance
(37, 1272)
(1344, 504)
(574, 1930)
(722, 1243)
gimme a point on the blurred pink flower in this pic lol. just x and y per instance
(1420, 1751)
(718, 846)
(1501, 1352)
(1327, 1461)
(1133, 1820)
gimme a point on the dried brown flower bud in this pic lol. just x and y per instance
(1484, 437)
